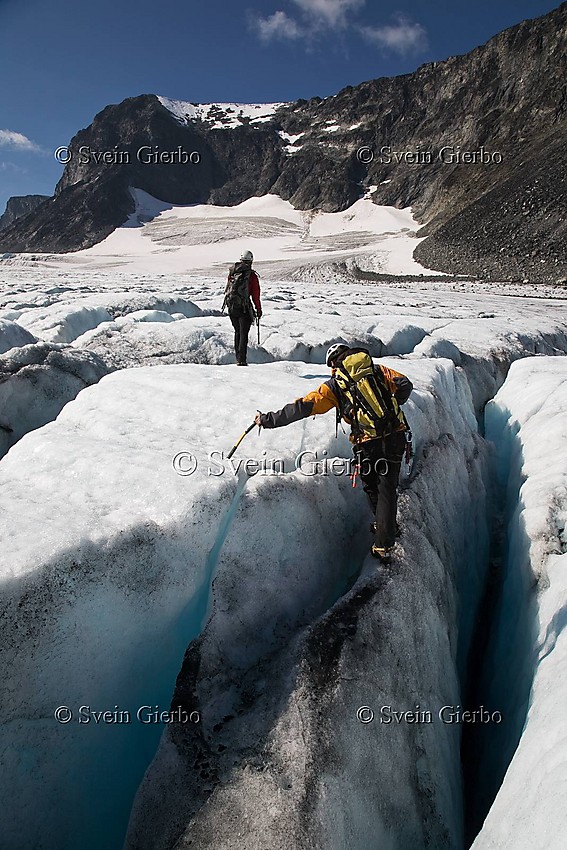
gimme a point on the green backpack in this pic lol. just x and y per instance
(366, 402)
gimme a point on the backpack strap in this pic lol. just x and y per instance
(357, 431)
(387, 399)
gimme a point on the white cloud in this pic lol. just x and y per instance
(332, 13)
(403, 36)
(17, 141)
(279, 25)
(12, 167)
(315, 15)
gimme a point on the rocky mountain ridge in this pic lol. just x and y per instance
(19, 206)
(460, 141)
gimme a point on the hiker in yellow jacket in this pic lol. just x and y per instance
(368, 398)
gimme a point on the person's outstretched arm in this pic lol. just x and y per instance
(320, 400)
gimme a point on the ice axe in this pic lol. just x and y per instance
(235, 446)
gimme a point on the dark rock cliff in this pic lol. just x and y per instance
(19, 206)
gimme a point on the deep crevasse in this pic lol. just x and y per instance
(281, 759)
(527, 653)
(100, 607)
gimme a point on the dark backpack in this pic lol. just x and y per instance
(237, 298)
(366, 401)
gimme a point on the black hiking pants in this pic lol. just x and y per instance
(379, 464)
(241, 322)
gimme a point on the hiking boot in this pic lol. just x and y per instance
(382, 553)
(242, 364)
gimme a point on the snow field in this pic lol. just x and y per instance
(66, 322)
(161, 238)
(133, 328)
(38, 378)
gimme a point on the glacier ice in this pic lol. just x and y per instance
(36, 382)
(110, 557)
(527, 423)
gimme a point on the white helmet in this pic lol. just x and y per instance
(334, 351)
(247, 257)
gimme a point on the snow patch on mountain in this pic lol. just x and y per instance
(204, 236)
(290, 138)
(220, 116)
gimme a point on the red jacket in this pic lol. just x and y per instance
(254, 291)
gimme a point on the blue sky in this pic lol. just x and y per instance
(61, 61)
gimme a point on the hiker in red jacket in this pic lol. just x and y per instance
(242, 288)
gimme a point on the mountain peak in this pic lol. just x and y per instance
(474, 145)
